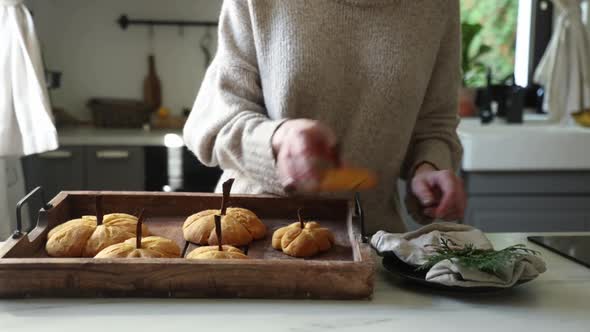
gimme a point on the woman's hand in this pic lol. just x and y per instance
(440, 192)
(304, 148)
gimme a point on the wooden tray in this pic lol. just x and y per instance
(345, 272)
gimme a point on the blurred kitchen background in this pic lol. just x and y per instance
(123, 75)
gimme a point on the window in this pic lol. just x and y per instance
(498, 20)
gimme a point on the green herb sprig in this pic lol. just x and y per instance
(490, 261)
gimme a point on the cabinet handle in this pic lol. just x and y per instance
(112, 154)
(58, 154)
(14, 178)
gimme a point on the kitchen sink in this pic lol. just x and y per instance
(534, 145)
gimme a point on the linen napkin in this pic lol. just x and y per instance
(415, 247)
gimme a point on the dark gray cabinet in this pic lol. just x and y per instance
(86, 168)
(115, 168)
(528, 201)
(521, 213)
(63, 169)
(125, 168)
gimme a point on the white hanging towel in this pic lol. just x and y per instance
(26, 125)
(564, 70)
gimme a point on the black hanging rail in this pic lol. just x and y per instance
(124, 22)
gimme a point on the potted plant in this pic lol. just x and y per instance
(471, 66)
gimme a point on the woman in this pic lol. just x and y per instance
(292, 79)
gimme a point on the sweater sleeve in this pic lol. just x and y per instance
(434, 139)
(229, 126)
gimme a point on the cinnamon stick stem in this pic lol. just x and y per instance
(300, 219)
(99, 211)
(225, 198)
(218, 232)
(139, 230)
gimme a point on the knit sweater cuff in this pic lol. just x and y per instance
(438, 154)
(259, 159)
(432, 151)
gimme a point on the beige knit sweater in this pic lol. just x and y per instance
(383, 74)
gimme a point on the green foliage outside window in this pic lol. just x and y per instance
(498, 21)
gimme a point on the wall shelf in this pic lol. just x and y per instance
(124, 22)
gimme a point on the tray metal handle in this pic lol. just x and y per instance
(19, 219)
(360, 214)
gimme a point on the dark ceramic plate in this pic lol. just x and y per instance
(408, 273)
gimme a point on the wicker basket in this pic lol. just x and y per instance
(119, 113)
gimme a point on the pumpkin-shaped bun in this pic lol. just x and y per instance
(83, 238)
(239, 227)
(306, 241)
(213, 252)
(151, 247)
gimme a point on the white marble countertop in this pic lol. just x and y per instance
(557, 301)
(127, 137)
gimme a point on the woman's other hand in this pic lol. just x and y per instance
(303, 149)
(441, 193)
